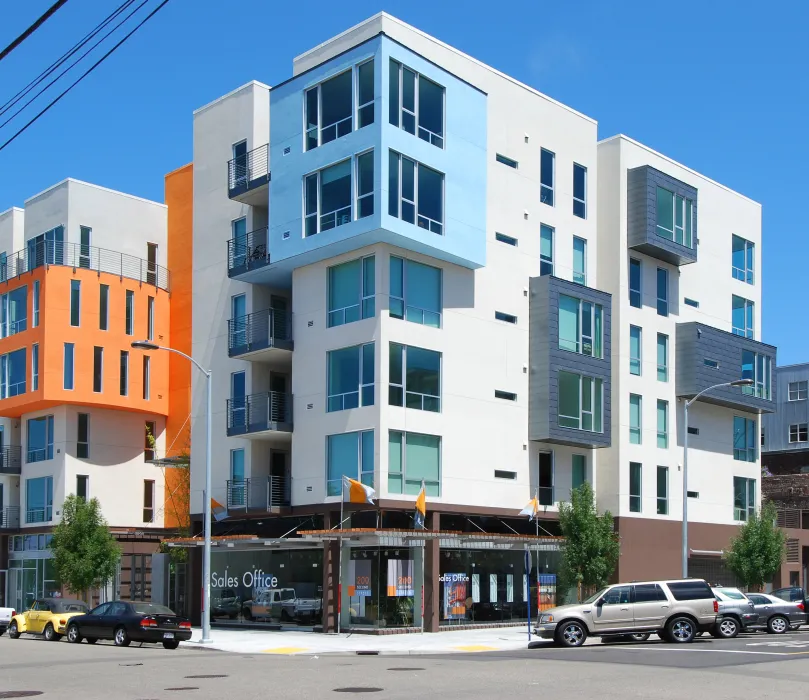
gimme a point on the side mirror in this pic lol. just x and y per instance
(599, 602)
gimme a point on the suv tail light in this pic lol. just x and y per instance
(716, 605)
(800, 606)
(148, 622)
(185, 625)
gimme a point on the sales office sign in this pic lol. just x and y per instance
(250, 580)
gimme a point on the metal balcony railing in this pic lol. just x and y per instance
(44, 253)
(258, 494)
(10, 518)
(246, 169)
(258, 331)
(248, 251)
(11, 460)
(270, 410)
(39, 515)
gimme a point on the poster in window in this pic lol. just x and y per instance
(546, 593)
(509, 588)
(359, 577)
(454, 596)
(400, 577)
(475, 588)
(492, 588)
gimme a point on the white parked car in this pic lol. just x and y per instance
(5, 618)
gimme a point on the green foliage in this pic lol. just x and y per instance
(591, 547)
(756, 553)
(85, 554)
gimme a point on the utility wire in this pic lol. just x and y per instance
(28, 32)
(87, 72)
(50, 69)
(79, 60)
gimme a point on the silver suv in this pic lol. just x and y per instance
(676, 610)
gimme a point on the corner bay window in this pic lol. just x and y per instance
(328, 194)
(351, 455)
(351, 377)
(675, 216)
(40, 439)
(580, 402)
(580, 326)
(416, 104)
(415, 378)
(39, 500)
(744, 498)
(14, 311)
(413, 458)
(757, 367)
(744, 439)
(415, 292)
(415, 193)
(13, 371)
(352, 287)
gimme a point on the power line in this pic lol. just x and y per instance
(75, 63)
(28, 32)
(50, 69)
(87, 72)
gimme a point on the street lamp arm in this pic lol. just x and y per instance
(187, 357)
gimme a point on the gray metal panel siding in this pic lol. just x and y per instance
(697, 342)
(547, 358)
(641, 203)
(776, 425)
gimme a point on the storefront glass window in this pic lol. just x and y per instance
(381, 586)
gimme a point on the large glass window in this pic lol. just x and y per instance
(413, 458)
(75, 303)
(635, 350)
(662, 490)
(662, 292)
(545, 250)
(14, 311)
(635, 487)
(40, 439)
(579, 260)
(327, 198)
(351, 455)
(634, 283)
(547, 176)
(662, 357)
(580, 402)
(744, 439)
(757, 367)
(48, 247)
(329, 108)
(13, 370)
(352, 289)
(743, 317)
(579, 469)
(351, 377)
(68, 366)
(415, 193)
(662, 423)
(416, 104)
(675, 217)
(635, 419)
(39, 500)
(744, 253)
(415, 292)
(744, 498)
(581, 326)
(798, 391)
(415, 378)
(579, 190)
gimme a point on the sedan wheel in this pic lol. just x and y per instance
(13, 630)
(50, 634)
(171, 645)
(572, 634)
(777, 625)
(121, 637)
(727, 628)
(73, 635)
(681, 630)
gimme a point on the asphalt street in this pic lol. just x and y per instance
(751, 666)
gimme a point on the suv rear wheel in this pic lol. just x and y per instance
(680, 630)
(571, 634)
(777, 624)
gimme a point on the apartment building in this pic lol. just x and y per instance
(413, 269)
(83, 273)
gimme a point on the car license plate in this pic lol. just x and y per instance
(168, 635)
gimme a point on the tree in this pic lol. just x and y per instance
(591, 548)
(85, 554)
(756, 553)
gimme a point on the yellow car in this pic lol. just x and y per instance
(48, 617)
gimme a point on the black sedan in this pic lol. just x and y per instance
(124, 622)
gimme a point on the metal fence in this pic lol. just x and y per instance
(43, 253)
(249, 250)
(258, 412)
(10, 518)
(11, 460)
(261, 493)
(243, 169)
(259, 330)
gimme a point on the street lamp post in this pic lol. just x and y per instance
(737, 382)
(206, 505)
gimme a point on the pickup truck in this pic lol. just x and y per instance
(281, 604)
(5, 618)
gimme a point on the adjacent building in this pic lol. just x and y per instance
(412, 269)
(84, 272)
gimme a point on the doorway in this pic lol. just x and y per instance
(279, 399)
(279, 478)
(545, 479)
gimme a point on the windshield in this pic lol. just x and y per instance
(287, 594)
(151, 609)
(729, 594)
(594, 598)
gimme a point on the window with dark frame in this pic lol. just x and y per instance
(148, 501)
(83, 436)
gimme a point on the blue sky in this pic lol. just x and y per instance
(719, 85)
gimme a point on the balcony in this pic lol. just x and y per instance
(261, 416)
(258, 495)
(11, 460)
(249, 177)
(661, 216)
(263, 336)
(40, 253)
(10, 518)
(248, 252)
(570, 369)
(708, 356)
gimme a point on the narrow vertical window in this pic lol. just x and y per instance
(743, 313)
(635, 349)
(130, 312)
(146, 378)
(98, 369)
(104, 307)
(546, 177)
(365, 94)
(35, 321)
(34, 367)
(743, 259)
(124, 375)
(635, 487)
(662, 490)
(634, 283)
(68, 367)
(579, 476)
(635, 419)
(149, 438)
(579, 191)
(83, 436)
(84, 246)
(150, 318)
(365, 184)
(148, 501)
(75, 303)
(579, 260)
(546, 480)
(82, 486)
(662, 357)
(151, 263)
(662, 292)
(545, 250)
(662, 424)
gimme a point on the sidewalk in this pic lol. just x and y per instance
(310, 643)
